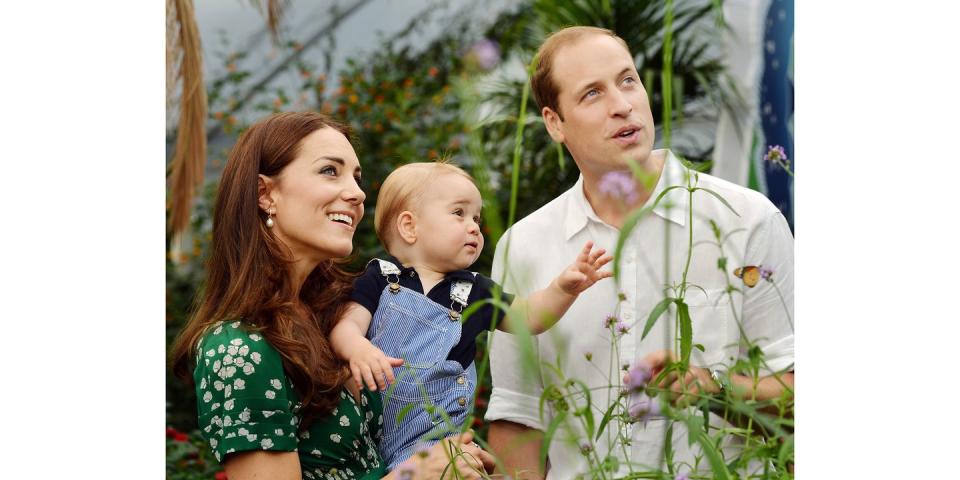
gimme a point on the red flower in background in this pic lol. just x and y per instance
(221, 475)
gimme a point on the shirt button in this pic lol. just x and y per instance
(462, 401)
(460, 380)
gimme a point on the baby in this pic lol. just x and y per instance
(403, 324)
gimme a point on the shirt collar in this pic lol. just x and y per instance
(579, 210)
(455, 275)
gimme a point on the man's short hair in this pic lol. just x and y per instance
(543, 85)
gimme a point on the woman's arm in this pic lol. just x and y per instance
(262, 464)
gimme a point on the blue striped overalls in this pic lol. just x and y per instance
(408, 325)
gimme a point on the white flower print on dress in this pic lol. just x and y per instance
(215, 406)
(254, 337)
(203, 382)
(218, 330)
(266, 443)
(211, 352)
(213, 443)
(228, 359)
(255, 356)
(228, 405)
(232, 349)
(227, 391)
(235, 324)
(236, 341)
(279, 432)
(270, 394)
(275, 383)
(244, 350)
(239, 361)
(227, 421)
(245, 414)
(216, 366)
(221, 349)
(239, 384)
(316, 453)
(344, 421)
(247, 368)
(231, 370)
(242, 431)
(252, 437)
(207, 396)
(335, 437)
(268, 413)
(218, 385)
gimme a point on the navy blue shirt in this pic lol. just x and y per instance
(368, 287)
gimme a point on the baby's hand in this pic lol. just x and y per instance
(368, 363)
(584, 271)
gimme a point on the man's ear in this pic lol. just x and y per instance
(407, 227)
(552, 120)
(265, 192)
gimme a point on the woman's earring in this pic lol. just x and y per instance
(270, 213)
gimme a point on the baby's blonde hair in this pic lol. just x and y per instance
(401, 189)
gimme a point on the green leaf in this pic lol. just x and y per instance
(548, 436)
(588, 410)
(655, 314)
(606, 419)
(686, 332)
(404, 411)
(722, 200)
(709, 450)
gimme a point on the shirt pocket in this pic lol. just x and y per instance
(713, 327)
(405, 334)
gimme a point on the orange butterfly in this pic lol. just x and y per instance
(750, 275)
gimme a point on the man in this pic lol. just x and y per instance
(592, 101)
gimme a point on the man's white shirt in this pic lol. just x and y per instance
(534, 250)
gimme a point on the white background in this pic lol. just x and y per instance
(82, 275)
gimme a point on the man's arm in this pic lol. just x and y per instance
(518, 449)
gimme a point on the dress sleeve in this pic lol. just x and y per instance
(244, 399)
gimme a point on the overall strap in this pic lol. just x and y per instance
(387, 269)
(459, 293)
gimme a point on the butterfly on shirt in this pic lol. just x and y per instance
(749, 274)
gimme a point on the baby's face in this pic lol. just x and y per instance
(448, 223)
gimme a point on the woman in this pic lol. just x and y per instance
(273, 400)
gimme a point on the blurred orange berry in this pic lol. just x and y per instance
(378, 99)
(352, 98)
(433, 72)
(218, 115)
(408, 83)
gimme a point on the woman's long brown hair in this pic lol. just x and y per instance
(247, 270)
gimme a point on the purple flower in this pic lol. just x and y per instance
(484, 54)
(610, 321)
(585, 447)
(776, 154)
(642, 407)
(637, 376)
(682, 476)
(622, 328)
(765, 273)
(619, 185)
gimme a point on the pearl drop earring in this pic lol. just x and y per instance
(270, 213)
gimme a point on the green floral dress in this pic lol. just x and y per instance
(246, 402)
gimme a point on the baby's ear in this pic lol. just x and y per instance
(407, 227)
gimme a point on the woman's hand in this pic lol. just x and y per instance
(459, 452)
